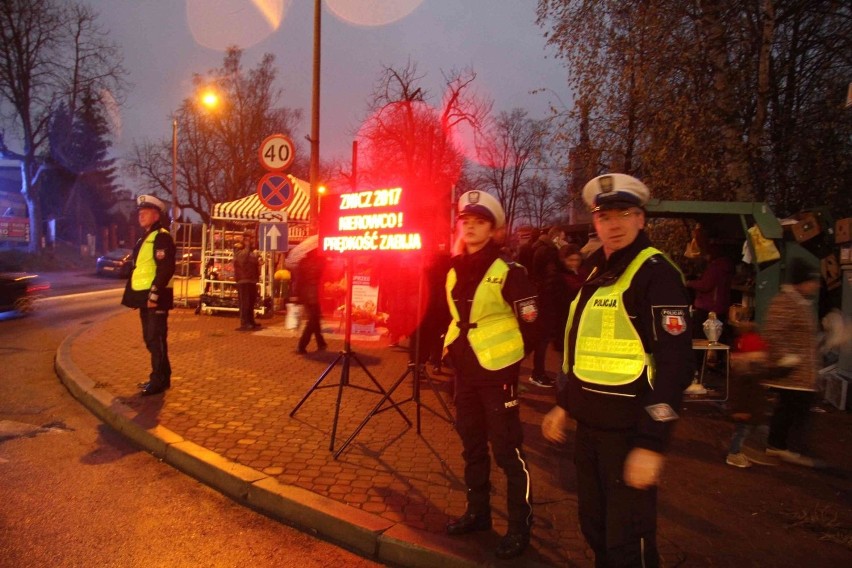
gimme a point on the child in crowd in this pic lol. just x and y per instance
(750, 366)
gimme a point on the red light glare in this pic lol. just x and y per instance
(405, 140)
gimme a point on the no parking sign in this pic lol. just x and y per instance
(275, 191)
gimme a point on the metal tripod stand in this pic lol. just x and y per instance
(345, 358)
(415, 369)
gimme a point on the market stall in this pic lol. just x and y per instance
(229, 220)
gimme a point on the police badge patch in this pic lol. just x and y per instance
(662, 412)
(671, 319)
(527, 309)
(160, 254)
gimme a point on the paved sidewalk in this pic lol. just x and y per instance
(226, 421)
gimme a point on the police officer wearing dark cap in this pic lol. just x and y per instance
(149, 289)
(494, 326)
(628, 358)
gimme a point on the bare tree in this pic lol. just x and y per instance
(405, 137)
(407, 141)
(50, 51)
(217, 147)
(512, 155)
(541, 203)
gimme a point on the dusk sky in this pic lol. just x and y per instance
(165, 41)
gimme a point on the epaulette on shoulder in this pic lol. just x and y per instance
(663, 261)
(513, 265)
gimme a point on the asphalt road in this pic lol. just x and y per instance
(75, 493)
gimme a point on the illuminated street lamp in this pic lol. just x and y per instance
(210, 98)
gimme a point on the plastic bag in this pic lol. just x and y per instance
(764, 249)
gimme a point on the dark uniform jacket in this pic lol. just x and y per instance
(164, 257)
(470, 270)
(647, 411)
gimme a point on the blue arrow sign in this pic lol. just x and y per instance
(274, 237)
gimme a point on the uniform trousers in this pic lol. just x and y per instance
(155, 330)
(619, 522)
(490, 413)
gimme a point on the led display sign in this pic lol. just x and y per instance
(370, 221)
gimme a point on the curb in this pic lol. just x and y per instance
(370, 535)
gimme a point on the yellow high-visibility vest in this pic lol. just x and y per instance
(494, 333)
(145, 268)
(608, 349)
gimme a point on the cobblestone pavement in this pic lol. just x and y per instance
(233, 394)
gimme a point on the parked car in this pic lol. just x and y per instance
(19, 291)
(116, 262)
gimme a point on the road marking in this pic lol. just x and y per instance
(79, 295)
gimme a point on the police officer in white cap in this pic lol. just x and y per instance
(149, 289)
(628, 358)
(494, 326)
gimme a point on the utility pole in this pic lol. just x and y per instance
(315, 120)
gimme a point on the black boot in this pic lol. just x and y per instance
(512, 545)
(469, 522)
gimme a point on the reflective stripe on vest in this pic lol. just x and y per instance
(608, 349)
(145, 268)
(494, 335)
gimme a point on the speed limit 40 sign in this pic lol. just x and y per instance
(276, 153)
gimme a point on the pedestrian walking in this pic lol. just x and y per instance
(308, 278)
(750, 367)
(790, 327)
(494, 325)
(149, 289)
(627, 359)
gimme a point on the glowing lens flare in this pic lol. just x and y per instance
(218, 24)
(372, 12)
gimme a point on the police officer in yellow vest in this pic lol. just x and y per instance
(149, 288)
(628, 358)
(494, 325)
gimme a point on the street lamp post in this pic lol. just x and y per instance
(174, 174)
(209, 99)
(315, 119)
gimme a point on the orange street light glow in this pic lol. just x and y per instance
(209, 99)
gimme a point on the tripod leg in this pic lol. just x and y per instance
(344, 380)
(415, 394)
(438, 396)
(316, 384)
(381, 389)
(374, 411)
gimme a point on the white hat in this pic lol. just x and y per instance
(483, 205)
(615, 191)
(150, 202)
